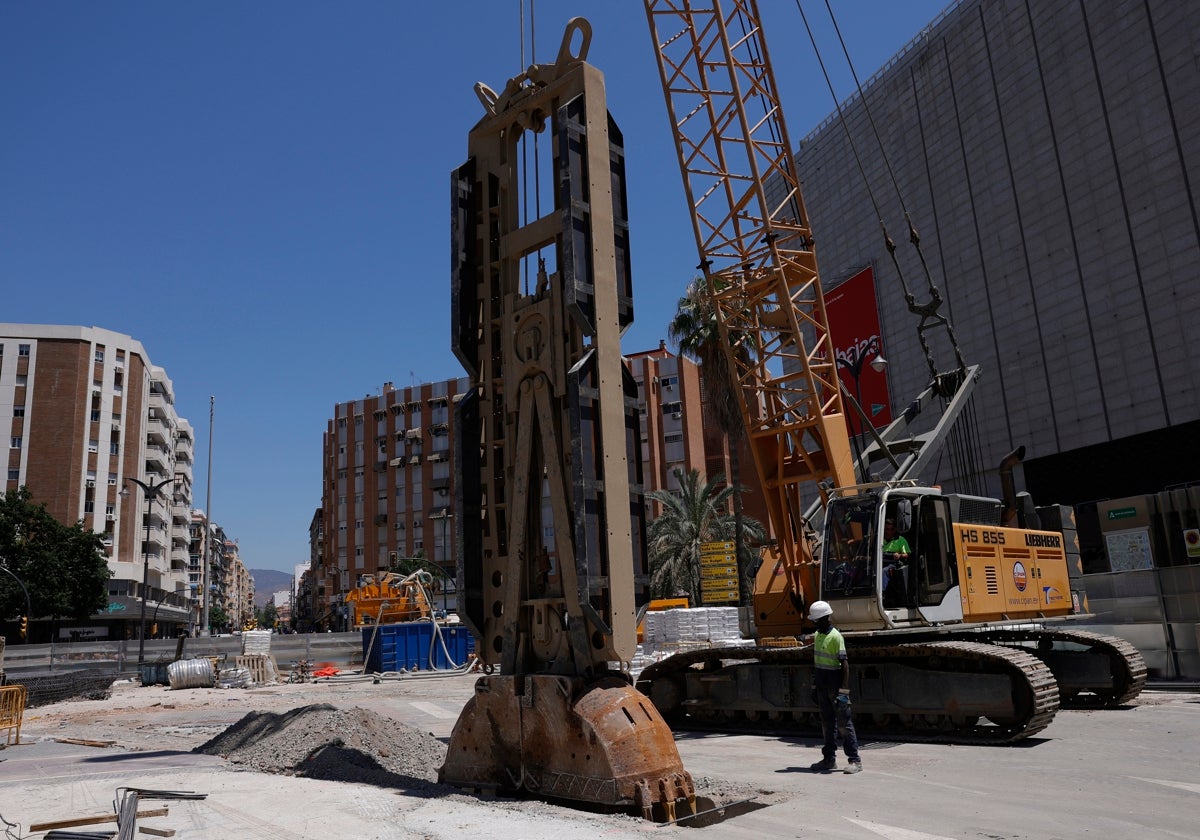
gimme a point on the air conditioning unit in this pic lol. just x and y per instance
(677, 415)
(111, 517)
(91, 482)
(416, 459)
(116, 427)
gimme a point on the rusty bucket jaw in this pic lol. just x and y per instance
(567, 738)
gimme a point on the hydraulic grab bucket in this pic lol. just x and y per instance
(601, 743)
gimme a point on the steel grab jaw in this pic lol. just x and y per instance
(569, 738)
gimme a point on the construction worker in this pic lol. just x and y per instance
(832, 679)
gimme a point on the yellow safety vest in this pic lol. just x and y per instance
(826, 650)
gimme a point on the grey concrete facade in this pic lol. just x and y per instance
(1049, 154)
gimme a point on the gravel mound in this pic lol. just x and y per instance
(342, 745)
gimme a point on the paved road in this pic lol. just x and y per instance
(1127, 773)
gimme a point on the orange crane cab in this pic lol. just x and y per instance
(955, 571)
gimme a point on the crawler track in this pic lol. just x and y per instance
(1118, 683)
(962, 692)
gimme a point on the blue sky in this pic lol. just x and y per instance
(208, 177)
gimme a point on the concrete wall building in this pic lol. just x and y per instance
(1049, 154)
(87, 410)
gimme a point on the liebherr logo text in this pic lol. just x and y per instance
(1043, 540)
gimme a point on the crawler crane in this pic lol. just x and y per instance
(955, 646)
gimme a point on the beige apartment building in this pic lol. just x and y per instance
(88, 412)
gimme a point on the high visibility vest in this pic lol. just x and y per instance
(826, 648)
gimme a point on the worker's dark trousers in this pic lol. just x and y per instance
(836, 720)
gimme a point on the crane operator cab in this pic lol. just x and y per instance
(888, 557)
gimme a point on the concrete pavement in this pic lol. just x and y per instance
(1093, 774)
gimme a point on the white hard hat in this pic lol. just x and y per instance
(819, 609)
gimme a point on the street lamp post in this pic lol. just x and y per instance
(853, 361)
(151, 493)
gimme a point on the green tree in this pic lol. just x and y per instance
(267, 616)
(62, 566)
(695, 332)
(405, 566)
(697, 514)
(218, 619)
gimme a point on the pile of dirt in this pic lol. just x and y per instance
(324, 742)
(321, 741)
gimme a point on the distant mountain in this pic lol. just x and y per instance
(267, 582)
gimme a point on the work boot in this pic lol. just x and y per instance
(853, 767)
(825, 765)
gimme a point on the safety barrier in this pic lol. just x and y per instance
(12, 710)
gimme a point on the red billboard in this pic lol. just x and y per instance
(854, 328)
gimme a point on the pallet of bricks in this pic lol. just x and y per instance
(667, 632)
(256, 657)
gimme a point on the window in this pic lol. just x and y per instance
(668, 381)
(14, 475)
(18, 411)
(672, 407)
(100, 354)
(89, 506)
(16, 442)
(114, 448)
(675, 438)
(95, 416)
(93, 445)
(22, 349)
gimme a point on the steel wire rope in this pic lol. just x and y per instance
(928, 311)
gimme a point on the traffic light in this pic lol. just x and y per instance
(154, 629)
(24, 627)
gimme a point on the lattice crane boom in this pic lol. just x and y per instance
(756, 250)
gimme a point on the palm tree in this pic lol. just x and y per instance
(694, 331)
(697, 514)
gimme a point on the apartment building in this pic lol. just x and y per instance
(237, 586)
(386, 490)
(675, 435)
(90, 415)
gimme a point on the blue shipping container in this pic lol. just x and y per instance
(413, 646)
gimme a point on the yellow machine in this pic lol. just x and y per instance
(950, 641)
(389, 598)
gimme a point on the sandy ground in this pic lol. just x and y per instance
(367, 751)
